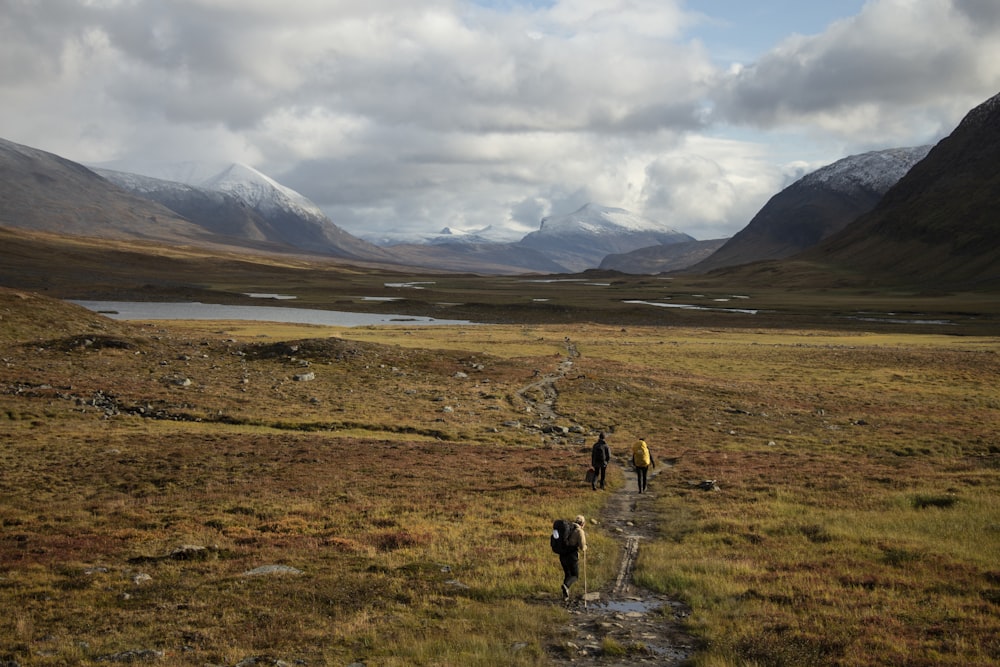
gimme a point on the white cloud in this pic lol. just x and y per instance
(420, 114)
(899, 68)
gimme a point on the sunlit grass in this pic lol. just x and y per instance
(855, 522)
(864, 556)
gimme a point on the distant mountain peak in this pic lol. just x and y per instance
(259, 190)
(581, 239)
(596, 219)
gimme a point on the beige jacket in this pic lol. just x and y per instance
(577, 538)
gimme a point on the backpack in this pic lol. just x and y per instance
(561, 529)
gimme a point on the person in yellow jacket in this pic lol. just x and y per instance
(643, 461)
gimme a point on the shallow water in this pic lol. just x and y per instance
(142, 310)
(630, 606)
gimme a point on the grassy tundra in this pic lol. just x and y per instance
(402, 494)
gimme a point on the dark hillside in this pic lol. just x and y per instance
(816, 207)
(940, 223)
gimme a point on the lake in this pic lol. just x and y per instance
(150, 310)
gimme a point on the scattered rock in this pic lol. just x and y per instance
(191, 552)
(142, 655)
(184, 552)
(304, 377)
(265, 570)
(262, 660)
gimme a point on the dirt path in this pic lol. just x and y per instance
(546, 385)
(626, 624)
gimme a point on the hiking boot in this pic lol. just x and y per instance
(565, 592)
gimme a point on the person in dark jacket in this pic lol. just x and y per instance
(600, 457)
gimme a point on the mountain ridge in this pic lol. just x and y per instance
(46, 192)
(940, 219)
(279, 214)
(935, 225)
(814, 207)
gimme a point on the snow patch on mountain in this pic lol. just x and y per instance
(875, 171)
(447, 235)
(261, 191)
(139, 184)
(242, 181)
(600, 220)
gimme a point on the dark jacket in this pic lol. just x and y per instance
(600, 455)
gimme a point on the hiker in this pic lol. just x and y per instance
(643, 461)
(600, 457)
(568, 540)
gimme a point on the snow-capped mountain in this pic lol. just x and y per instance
(447, 235)
(815, 207)
(600, 220)
(242, 181)
(218, 212)
(261, 192)
(278, 214)
(875, 171)
(455, 235)
(581, 239)
(938, 225)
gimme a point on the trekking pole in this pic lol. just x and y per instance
(585, 579)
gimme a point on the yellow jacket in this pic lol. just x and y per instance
(640, 455)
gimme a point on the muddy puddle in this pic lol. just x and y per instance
(626, 606)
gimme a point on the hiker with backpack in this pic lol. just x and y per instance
(568, 540)
(643, 461)
(600, 457)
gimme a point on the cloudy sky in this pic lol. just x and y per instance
(405, 116)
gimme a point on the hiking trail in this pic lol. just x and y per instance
(627, 625)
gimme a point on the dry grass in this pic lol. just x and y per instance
(857, 518)
(856, 522)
